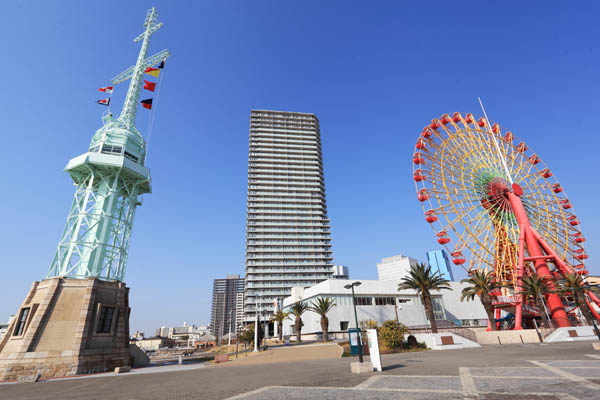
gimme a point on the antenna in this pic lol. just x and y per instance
(495, 142)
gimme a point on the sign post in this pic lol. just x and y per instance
(374, 349)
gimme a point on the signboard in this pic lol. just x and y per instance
(374, 349)
(353, 335)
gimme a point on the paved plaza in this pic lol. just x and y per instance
(539, 372)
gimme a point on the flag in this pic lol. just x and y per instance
(152, 71)
(104, 102)
(147, 103)
(149, 85)
(162, 65)
(107, 89)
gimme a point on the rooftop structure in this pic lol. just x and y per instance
(288, 239)
(340, 272)
(395, 267)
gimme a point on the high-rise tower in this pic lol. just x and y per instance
(288, 239)
(77, 319)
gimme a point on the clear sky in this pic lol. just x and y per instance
(374, 73)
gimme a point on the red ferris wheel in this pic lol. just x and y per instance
(494, 204)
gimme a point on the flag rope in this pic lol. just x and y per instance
(151, 119)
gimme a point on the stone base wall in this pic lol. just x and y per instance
(60, 336)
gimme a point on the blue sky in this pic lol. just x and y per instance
(374, 73)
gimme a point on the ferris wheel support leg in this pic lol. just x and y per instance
(520, 266)
(593, 311)
(555, 304)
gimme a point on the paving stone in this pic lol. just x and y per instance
(516, 371)
(583, 372)
(289, 393)
(417, 382)
(573, 363)
(532, 385)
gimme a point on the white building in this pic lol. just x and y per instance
(380, 300)
(395, 267)
(4, 327)
(340, 272)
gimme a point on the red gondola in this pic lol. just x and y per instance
(579, 237)
(445, 119)
(582, 256)
(427, 132)
(573, 220)
(508, 137)
(459, 259)
(469, 119)
(534, 159)
(522, 147)
(418, 175)
(496, 128)
(556, 188)
(443, 237)
(422, 195)
(566, 204)
(430, 216)
(434, 124)
(583, 272)
(546, 173)
(481, 122)
(421, 145)
(418, 159)
(456, 117)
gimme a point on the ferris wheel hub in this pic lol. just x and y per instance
(517, 189)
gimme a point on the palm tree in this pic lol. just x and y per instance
(278, 317)
(534, 288)
(322, 306)
(297, 309)
(573, 285)
(421, 279)
(483, 284)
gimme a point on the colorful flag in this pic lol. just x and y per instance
(149, 85)
(152, 71)
(104, 102)
(147, 104)
(162, 65)
(107, 89)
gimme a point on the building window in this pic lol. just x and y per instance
(404, 300)
(105, 319)
(343, 325)
(438, 308)
(364, 301)
(20, 328)
(384, 301)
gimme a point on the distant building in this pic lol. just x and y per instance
(394, 268)
(178, 332)
(224, 304)
(137, 335)
(593, 280)
(154, 343)
(438, 260)
(340, 272)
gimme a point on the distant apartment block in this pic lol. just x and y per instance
(288, 239)
(224, 304)
(394, 268)
(438, 260)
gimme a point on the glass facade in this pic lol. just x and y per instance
(438, 260)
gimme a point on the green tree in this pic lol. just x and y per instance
(483, 284)
(322, 306)
(573, 285)
(297, 309)
(421, 279)
(278, 318)
(534, 288)
(392, 334)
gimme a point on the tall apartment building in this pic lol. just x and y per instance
(224, 304)
(288, 239)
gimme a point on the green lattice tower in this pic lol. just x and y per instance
(110, 179)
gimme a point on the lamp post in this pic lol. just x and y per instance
(360, 350)
(256, 328)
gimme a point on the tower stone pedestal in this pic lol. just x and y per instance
(68, 327)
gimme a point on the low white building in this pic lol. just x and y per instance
(395, 268)
(380, 300)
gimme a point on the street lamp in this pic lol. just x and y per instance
(256, 327)
(360, 350)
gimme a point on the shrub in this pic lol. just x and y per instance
(392, 334)
(368, 324)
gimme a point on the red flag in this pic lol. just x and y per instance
(104, 102)
(147, 104)
(107, 89)
(149, 85)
